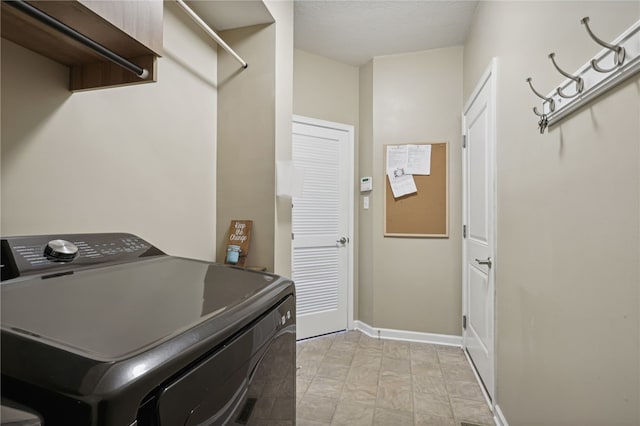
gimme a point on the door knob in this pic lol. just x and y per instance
(485, 262)
(342, 240)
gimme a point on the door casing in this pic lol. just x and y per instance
(349, 129)
(490, 74)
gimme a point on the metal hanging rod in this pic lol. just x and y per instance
(79, 37)
(211, 33)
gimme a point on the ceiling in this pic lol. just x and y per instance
(354, 31)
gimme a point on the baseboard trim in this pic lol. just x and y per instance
(409, 336)
(498, 416)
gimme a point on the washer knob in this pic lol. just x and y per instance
(61, 250)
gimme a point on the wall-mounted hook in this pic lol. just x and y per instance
(578, 80)
(550, 101)
(607, 68)
(535, 111)
(543, 122)
(619, 52)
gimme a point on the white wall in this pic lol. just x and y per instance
(137, 159)
(567, 268)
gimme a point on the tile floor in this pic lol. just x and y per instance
(352, 379)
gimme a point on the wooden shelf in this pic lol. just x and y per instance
(142, 19)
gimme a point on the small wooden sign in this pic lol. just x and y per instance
(239, 235)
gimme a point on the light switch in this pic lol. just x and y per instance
(365, 202)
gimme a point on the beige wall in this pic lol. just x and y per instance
(365, 217)
(328, 90)
(567, 269)
(417, 97)
(401, 283)
(254, 130)
(325, 89)
(246, 140)
(282, 12)
(137, 159)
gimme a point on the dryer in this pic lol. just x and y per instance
(106, 329)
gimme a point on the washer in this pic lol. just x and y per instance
(106, 329)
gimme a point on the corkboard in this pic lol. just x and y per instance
(425, 213)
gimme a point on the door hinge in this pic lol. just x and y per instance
(464, 231)
(464, 141)
(464, 322)
(292, 237)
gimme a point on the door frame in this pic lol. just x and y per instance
(351, 222)
(490, 74)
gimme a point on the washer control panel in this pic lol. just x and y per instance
(59, 253)
(61, 250)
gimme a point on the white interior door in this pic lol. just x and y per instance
(479, 223)
(321, 224)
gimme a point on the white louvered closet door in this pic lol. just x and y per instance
(320, 219)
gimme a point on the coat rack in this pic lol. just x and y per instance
(614, 64)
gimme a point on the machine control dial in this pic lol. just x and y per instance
(61, 250)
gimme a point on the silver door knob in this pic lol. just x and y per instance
(485, 262)
(342, 240)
